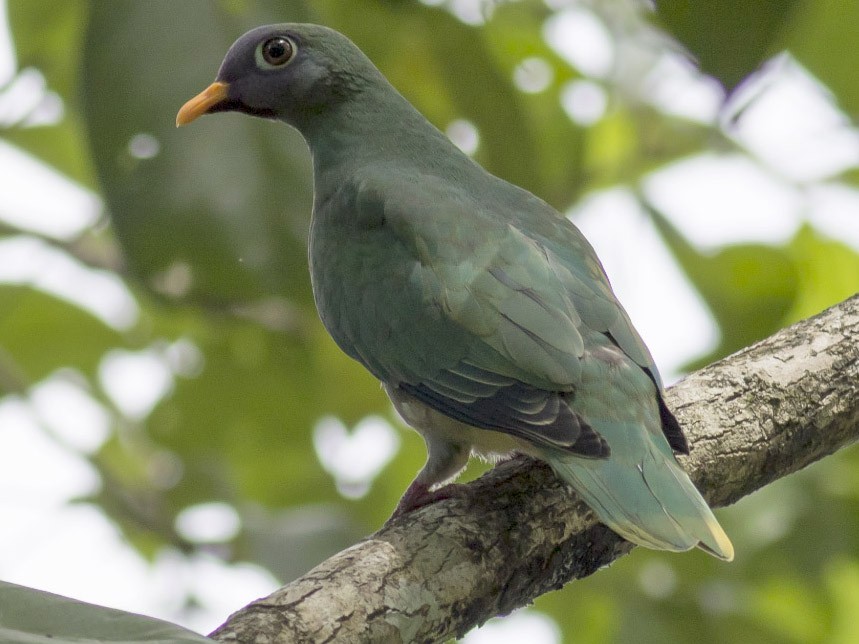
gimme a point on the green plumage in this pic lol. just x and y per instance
(485, 313)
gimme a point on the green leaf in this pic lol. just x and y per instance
(628, 143)
(223, 204)
(790, 608)
(842, 580)
(558, 146)
(35, 617)
(42, 333)
(729, 39)
(828, 272)
(823, 37)
(482, 93)
(48, 36)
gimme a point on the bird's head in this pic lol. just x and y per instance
(288, 72)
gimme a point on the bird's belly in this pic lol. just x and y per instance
(435, 426)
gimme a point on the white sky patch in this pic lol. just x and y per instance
(136, 381)
(471, 12)
(833, 209)
(35, 470)
(219, 587)
(525, 625)
(724, 199)
(209, 523)
(584, 101)
(71, 413)
(34, 197)
(50, 111)
(657, 579)
(185, 358)
(164, 469)
(21, 96)
(24, 99)
(794, 126)
(533, 75)
(354, 458)
(581, 38)
(176, 280)
(144, 146)
(663, 305)
(78, 552)
(65, 551)
(464, 135)
(27, 102)
(676, 87)
(29, 261)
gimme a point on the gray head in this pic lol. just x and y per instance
(290, 72)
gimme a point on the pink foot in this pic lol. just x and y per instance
(418, 495)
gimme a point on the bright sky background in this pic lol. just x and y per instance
(793, 133)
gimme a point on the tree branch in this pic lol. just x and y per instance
(752, 418)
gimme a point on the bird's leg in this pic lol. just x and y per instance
(445, 460)
(419, 494)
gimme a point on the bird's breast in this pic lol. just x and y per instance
(369, 295)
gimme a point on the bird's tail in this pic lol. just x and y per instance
(643, 494)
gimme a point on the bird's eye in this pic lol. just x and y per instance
(275, 52)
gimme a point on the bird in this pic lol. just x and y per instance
(483, 311)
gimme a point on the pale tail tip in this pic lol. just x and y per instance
(719, 545)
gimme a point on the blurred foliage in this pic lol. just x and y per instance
(728, 38)
(207, 230)
(749, 288)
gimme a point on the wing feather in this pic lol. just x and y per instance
(493, 325)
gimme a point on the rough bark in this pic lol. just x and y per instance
(754, 417)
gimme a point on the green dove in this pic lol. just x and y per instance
(484, 312)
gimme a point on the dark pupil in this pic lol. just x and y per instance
(277, 51)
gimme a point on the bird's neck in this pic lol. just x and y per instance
(376, 130)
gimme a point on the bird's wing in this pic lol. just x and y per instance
(517, 312)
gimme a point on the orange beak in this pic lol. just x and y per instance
(202, 103)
